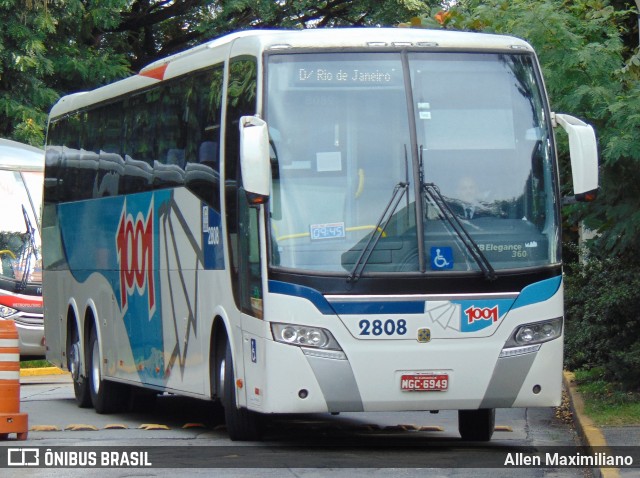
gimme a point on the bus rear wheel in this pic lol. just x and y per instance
(242, 424)
(74, 365)
(477, 425)
(106, 396)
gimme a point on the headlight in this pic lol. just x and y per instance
(528, 337)
(304, 336)
(7, 311)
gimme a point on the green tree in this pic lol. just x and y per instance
(24, 95)
(602, 319)
(150, 29)
(592, 70)
(50, 48)
(42, 53)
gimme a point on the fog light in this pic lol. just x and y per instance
(513, 351)
(323, 353)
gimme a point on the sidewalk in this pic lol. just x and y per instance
(595, 437)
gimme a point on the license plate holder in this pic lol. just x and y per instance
(424, 382)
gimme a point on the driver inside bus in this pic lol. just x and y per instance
(469, 202)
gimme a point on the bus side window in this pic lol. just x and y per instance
(203, 178)
(139, 147)
(204, 107)
(208, 154)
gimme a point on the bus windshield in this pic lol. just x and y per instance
(21, 193)
(467, 133)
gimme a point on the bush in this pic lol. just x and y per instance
(602, 319)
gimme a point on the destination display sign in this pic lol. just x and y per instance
(353, 74)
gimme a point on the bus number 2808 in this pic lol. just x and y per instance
(378, 327)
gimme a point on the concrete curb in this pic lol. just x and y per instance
(591, 435)
(31, 372)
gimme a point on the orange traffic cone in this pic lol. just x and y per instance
(11, 420)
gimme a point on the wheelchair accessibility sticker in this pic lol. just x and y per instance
(441, 258)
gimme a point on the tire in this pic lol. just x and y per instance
(106, 396)
(242, 424)
(78, 369)
(215, 415)
(477, 425)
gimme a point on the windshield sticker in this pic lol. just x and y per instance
(329, 161)
(334, 230)
(424, 115)
(441, 258)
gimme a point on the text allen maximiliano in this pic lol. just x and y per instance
(559, 459)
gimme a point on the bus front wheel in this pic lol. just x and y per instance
(477, 425)
(242, 424)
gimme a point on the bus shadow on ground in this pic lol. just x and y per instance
(315, 430)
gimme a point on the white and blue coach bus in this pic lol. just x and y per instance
(314, 221)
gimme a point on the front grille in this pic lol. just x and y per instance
(33, 320)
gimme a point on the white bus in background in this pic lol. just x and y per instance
(314, 221)
(21, 175)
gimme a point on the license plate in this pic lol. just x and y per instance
(424, 382)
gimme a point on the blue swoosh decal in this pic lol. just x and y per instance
(295, 290)
(538, 292)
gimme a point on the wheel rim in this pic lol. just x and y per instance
(95, 367)
(221, 376)
(74, 361)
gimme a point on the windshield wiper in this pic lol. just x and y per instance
(30, 248)
(470, 244)
(398, 191)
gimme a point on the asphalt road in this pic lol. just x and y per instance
(182, 434)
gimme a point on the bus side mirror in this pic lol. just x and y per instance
(584, 156)
(254, 158)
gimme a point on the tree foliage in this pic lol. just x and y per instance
(24, 96)
(602, 319)
(592, 70)
(50, 48)
(43, 53)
